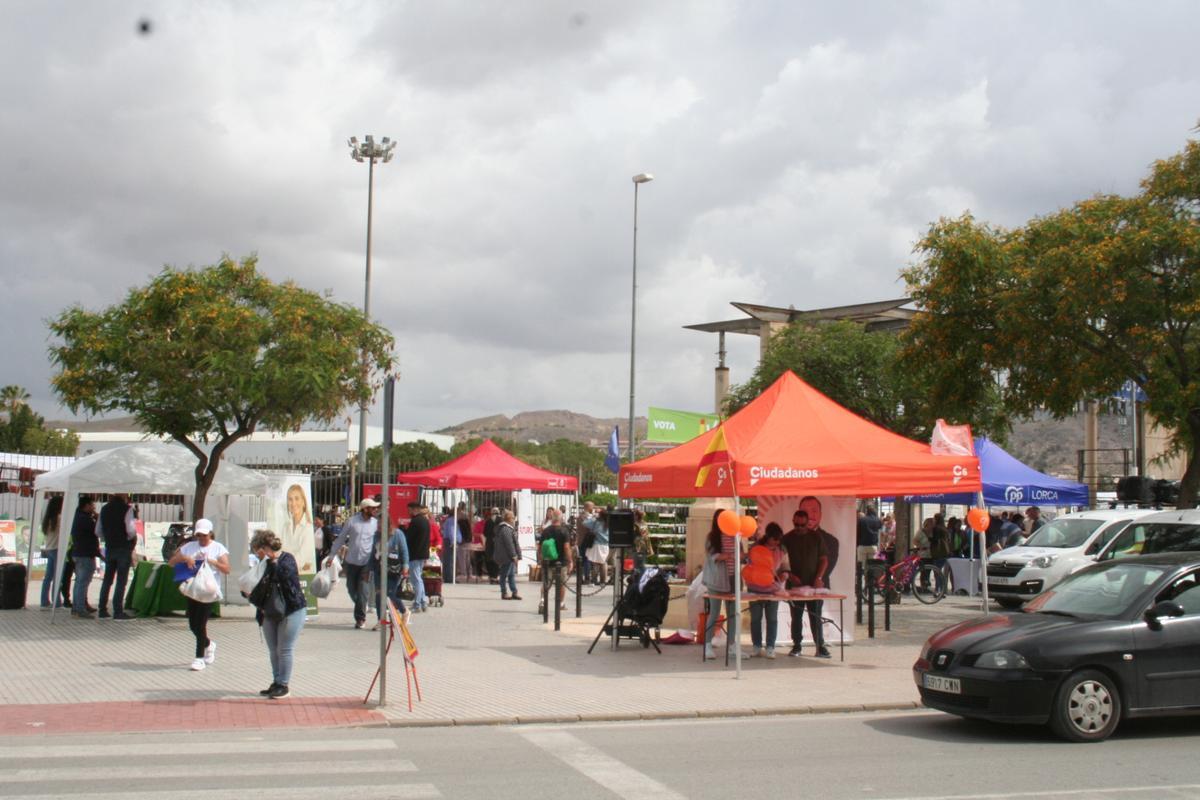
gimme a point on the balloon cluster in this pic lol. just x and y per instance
(731, 524)
(978, 519)
(759, 572)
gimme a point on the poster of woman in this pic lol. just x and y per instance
(289, 514)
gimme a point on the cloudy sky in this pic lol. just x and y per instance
(799, 149)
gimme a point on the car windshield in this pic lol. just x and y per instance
(1064, 533)
(1106, 592)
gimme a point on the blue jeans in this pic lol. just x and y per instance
(414, 575)
(769, 608)
(281, 643)
(85, 568)
(360, 585)
(116, 565)
(48, 579)
(731, 622)
(508, 578)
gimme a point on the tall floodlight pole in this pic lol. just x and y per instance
(370, 152)
(638, 180)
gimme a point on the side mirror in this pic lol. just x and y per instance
(1166, 608)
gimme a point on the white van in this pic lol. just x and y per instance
(1055, 550)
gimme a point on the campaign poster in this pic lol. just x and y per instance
(836, 520)
(289, 514)
(8, 540)
(399, 496)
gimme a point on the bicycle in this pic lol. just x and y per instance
(926, 581)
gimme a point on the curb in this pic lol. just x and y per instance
(730, 713)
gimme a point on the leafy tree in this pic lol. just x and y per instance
(859, 369)
(13, 397)
(415, 455)
(26, 432)
(1069, 306)
(208, 355)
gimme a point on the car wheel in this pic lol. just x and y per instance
(1009, 602)
(1087, 707)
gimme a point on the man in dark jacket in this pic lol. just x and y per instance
(417, 538)
(489, 545)
(84, 550)
(118, 527)
(867, 538)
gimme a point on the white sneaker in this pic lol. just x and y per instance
(771, 652)
(407, 615)
(210, 652)
(758, 652)
(198, 664)
(708, 652)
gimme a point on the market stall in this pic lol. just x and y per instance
(794, 445)
(160, 468)
(489, 468)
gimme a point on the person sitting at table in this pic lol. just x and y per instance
(766, 562)
(721, 557)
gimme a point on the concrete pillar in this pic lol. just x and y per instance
(721, 380)
(765, 332)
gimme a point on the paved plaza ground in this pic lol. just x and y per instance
(482, 660)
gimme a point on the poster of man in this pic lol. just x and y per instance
(289, 514)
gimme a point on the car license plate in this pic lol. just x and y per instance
(1002, 581)
(939, 684)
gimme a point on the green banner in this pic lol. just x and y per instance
(666, 425)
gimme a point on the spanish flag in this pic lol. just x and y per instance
(717, 453)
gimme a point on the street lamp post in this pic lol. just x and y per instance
(368, 151)
(638, 180)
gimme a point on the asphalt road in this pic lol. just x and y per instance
(900, 755)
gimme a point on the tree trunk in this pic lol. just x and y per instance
(1189, 485)
(903, 513)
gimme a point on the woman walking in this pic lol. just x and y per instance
(204, 549)
(281, 633)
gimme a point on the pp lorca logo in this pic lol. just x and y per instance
(1013, 494)
(781, 473)
(959, 473)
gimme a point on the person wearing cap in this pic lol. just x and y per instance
(203, 549)
(356, 546)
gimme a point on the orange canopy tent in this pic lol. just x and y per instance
(489, 468)
(793, 440)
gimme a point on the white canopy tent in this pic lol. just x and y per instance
(143, 468)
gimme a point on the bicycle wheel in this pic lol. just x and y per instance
(876, 579)
(929, 584)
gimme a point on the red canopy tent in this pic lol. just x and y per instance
(793, 440)
(488, 468)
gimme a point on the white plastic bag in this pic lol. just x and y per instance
(204, 587)
(322, 583)
(695, 601)
(250, 578)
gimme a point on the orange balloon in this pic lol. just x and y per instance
(727, 521)
(747, 526)
(978, 519)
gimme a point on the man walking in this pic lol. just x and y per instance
(867, 536)
(507, 554)
(85, 549)
(118, 527)
(356, 544)
(808, 563)
(417, 536)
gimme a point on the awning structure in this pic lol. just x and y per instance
(1009, 482)
(793, 440)
(489, 468)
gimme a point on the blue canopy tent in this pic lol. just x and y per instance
(1008, 482)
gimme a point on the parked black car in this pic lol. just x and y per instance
(1116, 640)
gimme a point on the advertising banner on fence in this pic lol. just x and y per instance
(666, 425)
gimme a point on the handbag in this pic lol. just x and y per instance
(268, 597)
(715, 577)
(406, 590)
